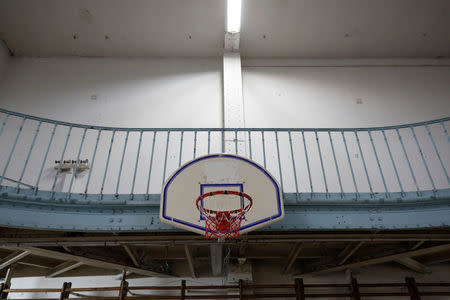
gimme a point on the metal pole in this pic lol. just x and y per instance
(437, 153)
(61, 161)
(378, 163)
(423, 158)
(6, 119)
(107, 163)
(121, 162)
(264, 148)
(293, 165)
(181, 148)
(136, 164)
(350, 163)
(92, 163)
(12, 150)
(307, 162)
(407, 160)
(393, 163)
(151, 164)
(36, 186)
(76, 164)
(279, 159)
(364, 162)
(250, 143)
(28, 155)
(195, 143)
(336, 164)
(321, 164)
(165, 159)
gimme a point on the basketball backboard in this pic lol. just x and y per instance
(221, 172)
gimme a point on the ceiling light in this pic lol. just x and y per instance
(234, 15)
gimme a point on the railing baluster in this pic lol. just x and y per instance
(264, 148)
(92, 164)
(36, 186)
(350, 163)
(437, 153)
(279, 159)
(6, 120)
(61, 161)
(307, 163)
(223, 141)
(250, 144)
(378, 163)
(74, 172)
(236, 142)
(181, 148)
(165, 159)
(107, 163)
(121, 162)
(321, 163)
(364, 162)
(151, 165)
(195, 143)
(446, 132)
(393, 163)
(28, 155)
(336, 164)
(12, 150)
(423, 158)
(209, 141)
(293, 165)
(136, 164)
(407, 160)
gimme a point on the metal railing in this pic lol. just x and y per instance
(66, 162)
(409, 289)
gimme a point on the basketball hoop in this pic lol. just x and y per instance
(223, 224)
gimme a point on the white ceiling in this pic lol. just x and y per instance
(113, 27)
(270, 28)
(345, 28)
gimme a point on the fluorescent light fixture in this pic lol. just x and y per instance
(234, 15)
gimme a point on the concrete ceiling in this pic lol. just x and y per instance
(281, 28)
(113, 27)
(345, 28)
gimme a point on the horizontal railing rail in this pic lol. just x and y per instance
(297, 290)
(73, 163)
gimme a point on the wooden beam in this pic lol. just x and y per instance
(378, 260)
(348, 252)
(292, 257)
(412, 288)
(12, 258)
(131, 255)
(190, 260)
(299, 289)
(64, 267)
(65, 290)
(413, 265)
(417, 245)
(354, 289)
(90, 261)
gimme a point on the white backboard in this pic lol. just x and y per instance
(220, 172)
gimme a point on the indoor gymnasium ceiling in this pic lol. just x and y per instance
(270, 28)
(113, 27)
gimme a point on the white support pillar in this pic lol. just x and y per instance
(233, 103)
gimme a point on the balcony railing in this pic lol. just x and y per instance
(49, 161)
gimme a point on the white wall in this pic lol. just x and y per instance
(122, 92)
(4, 59)
(329, 96)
